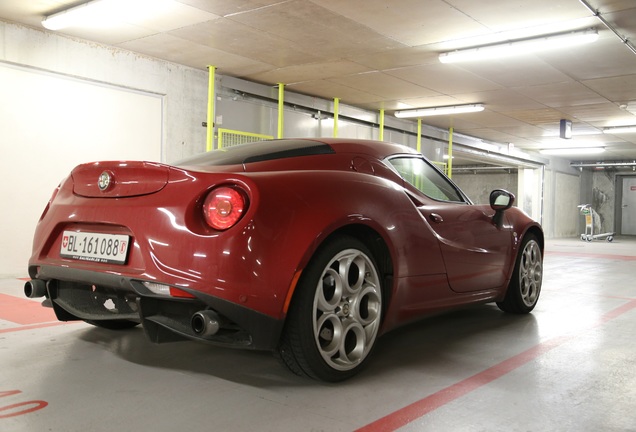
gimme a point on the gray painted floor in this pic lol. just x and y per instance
(569, 366)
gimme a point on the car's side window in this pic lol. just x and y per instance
(426, 179)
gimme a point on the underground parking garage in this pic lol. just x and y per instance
(106, 117)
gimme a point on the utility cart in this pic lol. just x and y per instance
(593, 225)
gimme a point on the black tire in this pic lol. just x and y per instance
(334, 318)
(525, 285)
(113, 324)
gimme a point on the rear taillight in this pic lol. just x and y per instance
(167, 290)
(224, 207)
(175, 292)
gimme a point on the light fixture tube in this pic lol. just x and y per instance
(443, 110)
(620, 129)
(71, 16)
(572, 151)
(520, 46)
(94, 13)
(629, 106)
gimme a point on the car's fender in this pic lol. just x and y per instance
(294, 217)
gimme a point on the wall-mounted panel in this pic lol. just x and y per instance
(48, 124)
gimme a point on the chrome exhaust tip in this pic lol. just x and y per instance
(35, 288)
(205, 323)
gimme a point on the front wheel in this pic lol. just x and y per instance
(527, 277)
(334, 318)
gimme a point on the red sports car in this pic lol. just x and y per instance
(310, 248)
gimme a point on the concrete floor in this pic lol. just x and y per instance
(568, 366)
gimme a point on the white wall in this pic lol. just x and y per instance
(566, 200)
(50, 124)
(478, 186)
(563, 188)
(184, 89)
(65, 102)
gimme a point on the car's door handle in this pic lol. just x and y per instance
(436, 218)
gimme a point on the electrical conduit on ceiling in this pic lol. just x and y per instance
(606, 23)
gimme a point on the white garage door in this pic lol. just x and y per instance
(50, 123)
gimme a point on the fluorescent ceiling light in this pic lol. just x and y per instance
(572, 151)
(520, 46)
(620, 129)
(443, 110)
(629, 106)
(99, 13)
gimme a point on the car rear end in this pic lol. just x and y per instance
(129, 242)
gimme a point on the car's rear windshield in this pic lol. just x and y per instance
(257, 152)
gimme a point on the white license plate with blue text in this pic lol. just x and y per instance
(95, 247)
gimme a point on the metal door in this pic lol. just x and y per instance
(475, 250)
(628, 220)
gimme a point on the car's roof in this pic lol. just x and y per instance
(377, 149)
(284, 148)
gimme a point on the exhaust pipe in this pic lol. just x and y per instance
(205, 323)
(35, 288)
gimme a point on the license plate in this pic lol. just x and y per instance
(95, 247)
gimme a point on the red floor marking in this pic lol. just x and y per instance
(420, 408)
(37, 326)
(23, 311)
(22, 408)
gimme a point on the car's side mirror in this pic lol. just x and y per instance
(500, 201)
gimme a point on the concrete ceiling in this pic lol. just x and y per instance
(384, 54)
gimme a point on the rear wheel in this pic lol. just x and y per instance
(525, 285)
(334, 318)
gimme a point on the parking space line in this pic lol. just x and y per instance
(593, 255)
(420, 408)
(24, 311)
(36, 326)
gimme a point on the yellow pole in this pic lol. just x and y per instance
(419, 135)
(209, 141)
(382, 125)
(450, 152)
(336, 107)
(281, 108)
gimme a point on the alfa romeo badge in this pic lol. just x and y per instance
(104, 180)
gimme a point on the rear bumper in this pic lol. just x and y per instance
(94, 296)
